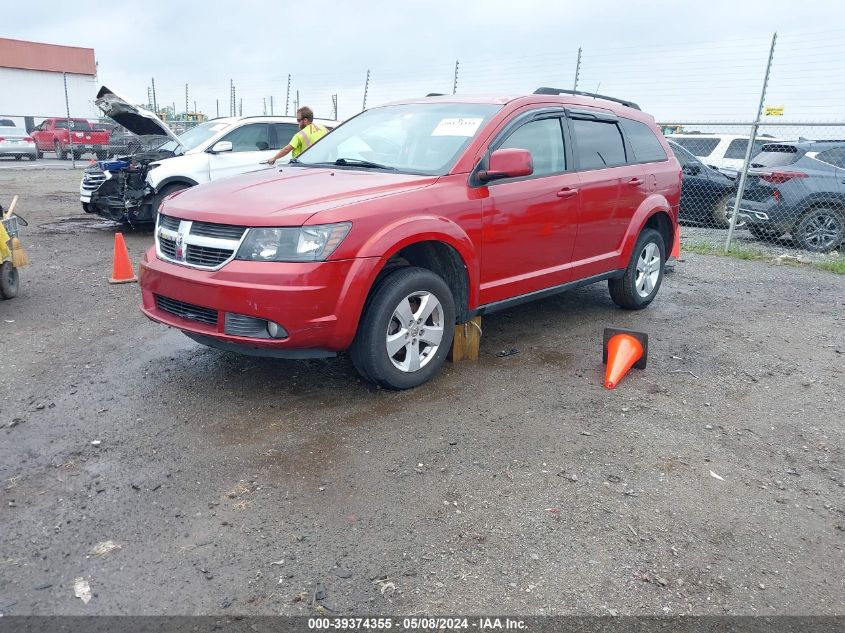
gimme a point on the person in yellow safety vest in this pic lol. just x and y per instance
(309, 133)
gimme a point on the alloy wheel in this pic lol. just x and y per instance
(415, 331)
(648, 269)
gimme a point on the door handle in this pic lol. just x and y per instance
(635, 181)
(567, 192)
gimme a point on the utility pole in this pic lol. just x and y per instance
(271, 105)
(69, 123)
(231, 97)
(186, 101)
(155, 103)
(740, 190)
(297, 101)
(334, 107)
(241, 108)
(455, 83)
(577, 69)
(265, 105)
(149, 98)
(218, 108)
(366, 88)
(287, 97)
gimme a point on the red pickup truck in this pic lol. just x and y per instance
(55, 135)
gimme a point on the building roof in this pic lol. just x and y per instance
(47, 57)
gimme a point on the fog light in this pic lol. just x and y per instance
(275, 330)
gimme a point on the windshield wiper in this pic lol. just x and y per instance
(357, 162)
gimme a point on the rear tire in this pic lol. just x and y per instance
(8, 280)
(643, 275)
(820, 230)
(61, 153)
(406, 329)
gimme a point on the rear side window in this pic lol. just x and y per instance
(701, 147)
(835, 157)
(776, 156)
(600, 144)
(284, 133)
(647, 149)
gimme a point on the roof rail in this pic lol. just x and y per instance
(560, 91)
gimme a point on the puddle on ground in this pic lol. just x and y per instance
(78, 224)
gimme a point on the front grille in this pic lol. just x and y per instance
(242, 325)
(92, 180)
(186, 310)
(168, 222)
(168, 247)
(205, 255)
(221, 231)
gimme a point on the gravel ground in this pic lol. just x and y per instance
(712, 482)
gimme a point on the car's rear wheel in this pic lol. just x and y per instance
(61, 152)
(720, 215)
(643, 275)
(406, 329)
(820, 230)
(8, 280)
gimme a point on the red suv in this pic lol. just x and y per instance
(415, 216)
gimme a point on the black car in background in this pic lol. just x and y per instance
(705, 191)
(797, 188)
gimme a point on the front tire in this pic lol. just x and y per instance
(643, 275)
(406, 330)
(820, 230)
(8, 280)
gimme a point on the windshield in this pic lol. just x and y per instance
(418, 138)
(196, 136)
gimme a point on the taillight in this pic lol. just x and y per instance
(776, 195)
(2, 139)
(28, 139)
(780, 177)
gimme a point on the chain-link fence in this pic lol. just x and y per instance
(793, 204)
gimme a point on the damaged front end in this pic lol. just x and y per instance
(119, 188)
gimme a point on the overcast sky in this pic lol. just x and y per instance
(681, 60)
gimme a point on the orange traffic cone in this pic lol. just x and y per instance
(622, 350)
(122, 272)
(676, 247)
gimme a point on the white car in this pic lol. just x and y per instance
(725, 152)
(130, 188)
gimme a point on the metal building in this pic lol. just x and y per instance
(32, 81)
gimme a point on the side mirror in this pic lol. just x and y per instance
(508, 163)
(692, 169)
(221, 146)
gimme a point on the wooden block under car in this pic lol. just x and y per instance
(467, 341)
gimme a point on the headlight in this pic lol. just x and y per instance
(299, 244)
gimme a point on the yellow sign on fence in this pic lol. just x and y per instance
(774, 111)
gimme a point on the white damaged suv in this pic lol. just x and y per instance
(130, 188)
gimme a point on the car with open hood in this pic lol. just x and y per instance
(412, 217)
(130, 188)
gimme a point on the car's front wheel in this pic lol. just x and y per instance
(642, 278)
(820, 230)
(406, 329)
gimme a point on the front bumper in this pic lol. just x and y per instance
(318, 304)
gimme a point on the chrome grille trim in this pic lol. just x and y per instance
(177, 242)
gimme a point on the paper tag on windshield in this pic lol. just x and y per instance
(457, 127)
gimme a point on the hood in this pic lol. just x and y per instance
(286, 198)
(134, 118)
